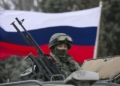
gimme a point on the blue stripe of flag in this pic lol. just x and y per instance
(81, 36)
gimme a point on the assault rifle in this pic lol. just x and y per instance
(46, 67)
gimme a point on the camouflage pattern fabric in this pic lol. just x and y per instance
(67, 65)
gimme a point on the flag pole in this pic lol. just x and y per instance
(98, 32)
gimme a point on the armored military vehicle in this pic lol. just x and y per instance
(94, 72)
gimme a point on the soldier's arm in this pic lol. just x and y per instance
(77, 66)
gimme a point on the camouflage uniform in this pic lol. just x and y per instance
(66, 64)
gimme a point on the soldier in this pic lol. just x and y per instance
(59, 44)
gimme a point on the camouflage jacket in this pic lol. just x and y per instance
(67, 65)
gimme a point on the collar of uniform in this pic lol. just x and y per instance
(68, 57)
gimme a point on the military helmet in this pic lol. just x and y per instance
(60, 38)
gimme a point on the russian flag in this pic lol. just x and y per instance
(80, 25)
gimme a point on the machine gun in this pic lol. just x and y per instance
(46, 67)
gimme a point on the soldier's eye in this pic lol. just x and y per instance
(65, 46)
(59, 45)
